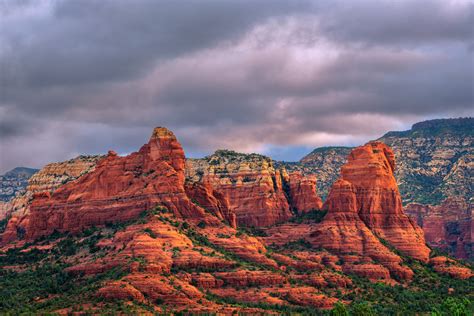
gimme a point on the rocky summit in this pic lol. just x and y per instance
(152, 232)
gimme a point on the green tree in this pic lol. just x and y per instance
(362, 309)
(339, 310)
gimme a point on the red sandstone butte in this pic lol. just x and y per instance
(119, 189)
(370, 172)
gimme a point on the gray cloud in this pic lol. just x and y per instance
(86, 76)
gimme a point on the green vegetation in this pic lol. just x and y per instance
(429, 292)
(283, 309)
(313, 216)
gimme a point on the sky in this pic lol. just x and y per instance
(274, 77)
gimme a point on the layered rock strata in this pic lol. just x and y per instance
(365, 219)
(448, 226)
(251, 187)
(118, 189)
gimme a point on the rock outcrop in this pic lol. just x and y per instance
(251, 187)
(448, 226)
(364, 219)
(48, 179)
(302, 192)
(118, 189)
(370, 172)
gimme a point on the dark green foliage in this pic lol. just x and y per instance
(361, 309)
(150, 232)
(313, 216)
(17, 256)
(300, 244)
(426, 293)
(283, 309)
(3, 223)
(339, 310)
(252, 231)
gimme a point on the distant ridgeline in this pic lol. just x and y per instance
(14, 181)
(434, 161)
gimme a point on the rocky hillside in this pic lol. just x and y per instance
(14, 182)
(258, 192)
(324, 162)
(152, 233)
(434, 161)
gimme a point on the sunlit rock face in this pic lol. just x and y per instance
(370, 171)
(118, 189)
(252, 187)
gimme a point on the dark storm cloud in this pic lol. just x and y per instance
(86, 76)
(395, 22)
(91, 41)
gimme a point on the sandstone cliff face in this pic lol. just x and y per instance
(118, 189)
(370, 170)
(251, 187)
(302, 192)
(364, 211)
(448, 226)
(48, 179)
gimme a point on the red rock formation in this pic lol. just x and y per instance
(248, 184)
(204, 195)
(376, 200)
(344, 232)
(448, 226)
(451, 267)
(119, 189)
(302, 191)
(364, 208)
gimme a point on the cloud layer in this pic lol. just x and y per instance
(274, 77)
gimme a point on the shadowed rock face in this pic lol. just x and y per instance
(302, 192)
(448, 226)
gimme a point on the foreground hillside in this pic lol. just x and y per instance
(150, 232)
